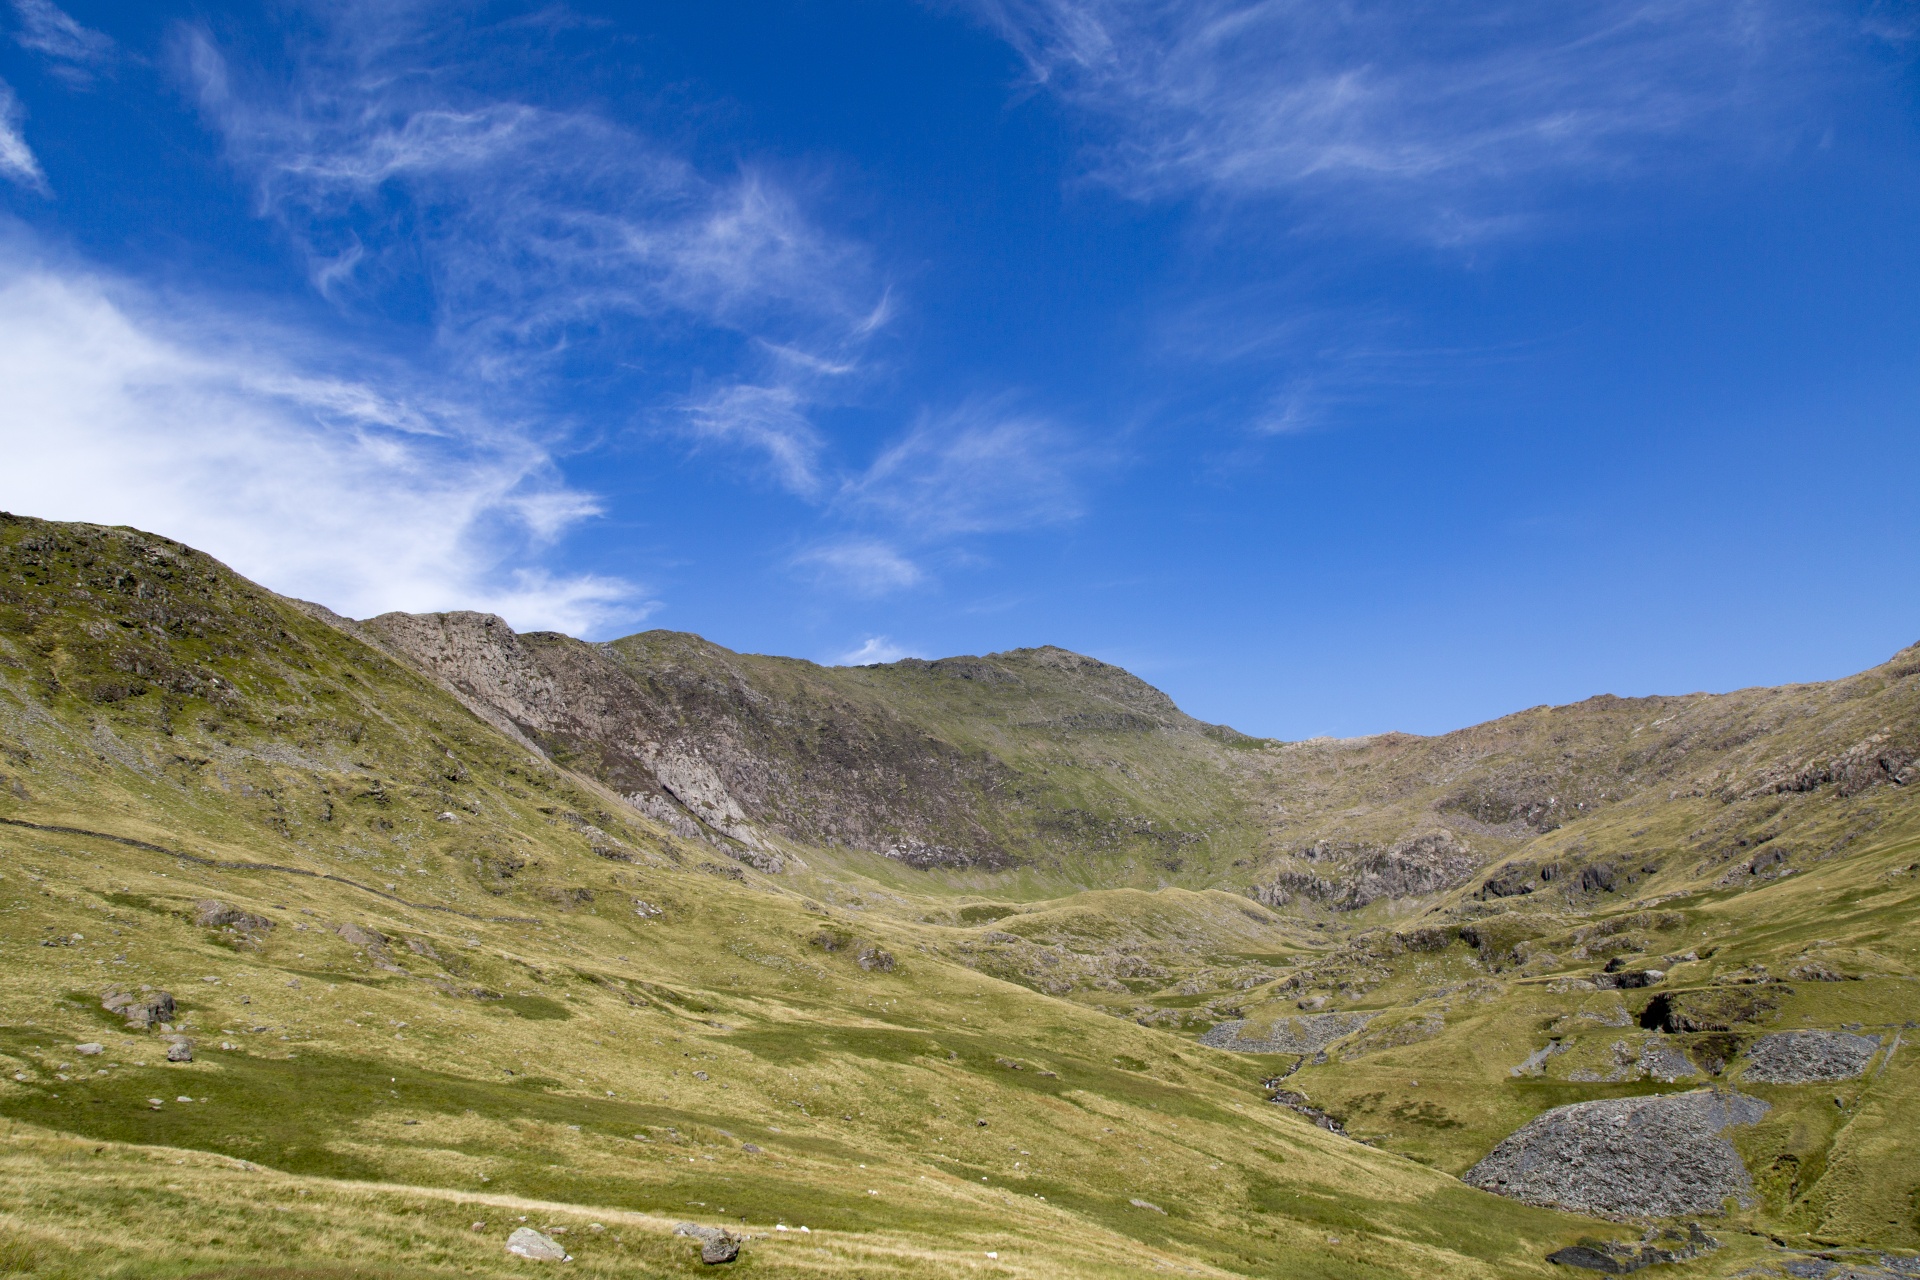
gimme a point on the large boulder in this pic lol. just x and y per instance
(525, 1242)
(1657, 1156)
(1807, 1057)
(716, 1245)
(142, 1008)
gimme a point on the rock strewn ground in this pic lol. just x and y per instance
(1655, 1156)
(1806, 1057)
(1308, 1033)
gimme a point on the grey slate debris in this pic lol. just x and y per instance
(1305, 1033)
(716, 1245)
(1616, 1257)
(1658, 1156)
(1806, 1057)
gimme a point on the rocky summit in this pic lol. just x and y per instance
(412, 946)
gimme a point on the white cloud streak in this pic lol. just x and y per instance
(981, 468)
(873, 650)
(75, 51)
(17, 160)
(769, 421)
(1409, 103)
(364, 494)
(860, 566)
(541, 232)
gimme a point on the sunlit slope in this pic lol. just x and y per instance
(1476, 1019)
(1611, 797)
(488, 992)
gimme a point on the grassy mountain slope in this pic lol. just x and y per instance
(433, 979)
(1058, 768)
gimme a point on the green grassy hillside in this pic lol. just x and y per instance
(469, 931)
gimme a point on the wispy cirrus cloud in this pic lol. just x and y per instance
(770, 423)
(76, 53)
(861, 566)
(366, 490)
(546, 236)
(984, 467)
(17, 161)
(1444, 113)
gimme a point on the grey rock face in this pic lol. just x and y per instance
(525, 1242)
(1627, 1157)
(1307, 1033)
(1427, 863)
(1616, 1258)
(140, 1010)
(1805, 1057)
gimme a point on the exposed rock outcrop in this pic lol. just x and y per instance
(1357, 875)
(1618, 1258)
(1658, 1156)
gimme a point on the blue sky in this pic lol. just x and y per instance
(1337, 368)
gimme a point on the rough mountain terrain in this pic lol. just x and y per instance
(412, 946)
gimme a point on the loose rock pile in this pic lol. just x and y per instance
(1656, 1156)
(1308, 1033)
(1806, 1057)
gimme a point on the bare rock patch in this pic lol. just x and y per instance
(1658, 1156)
(1806, 1057)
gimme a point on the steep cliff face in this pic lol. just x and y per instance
(1032, 756)
(721, 746)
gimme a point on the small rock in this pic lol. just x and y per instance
(479, 1226)
(154, 1104)
(90, 1049)
(1148, 1205)
(750, 1148)
(525, 1242)
(180, 1051)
